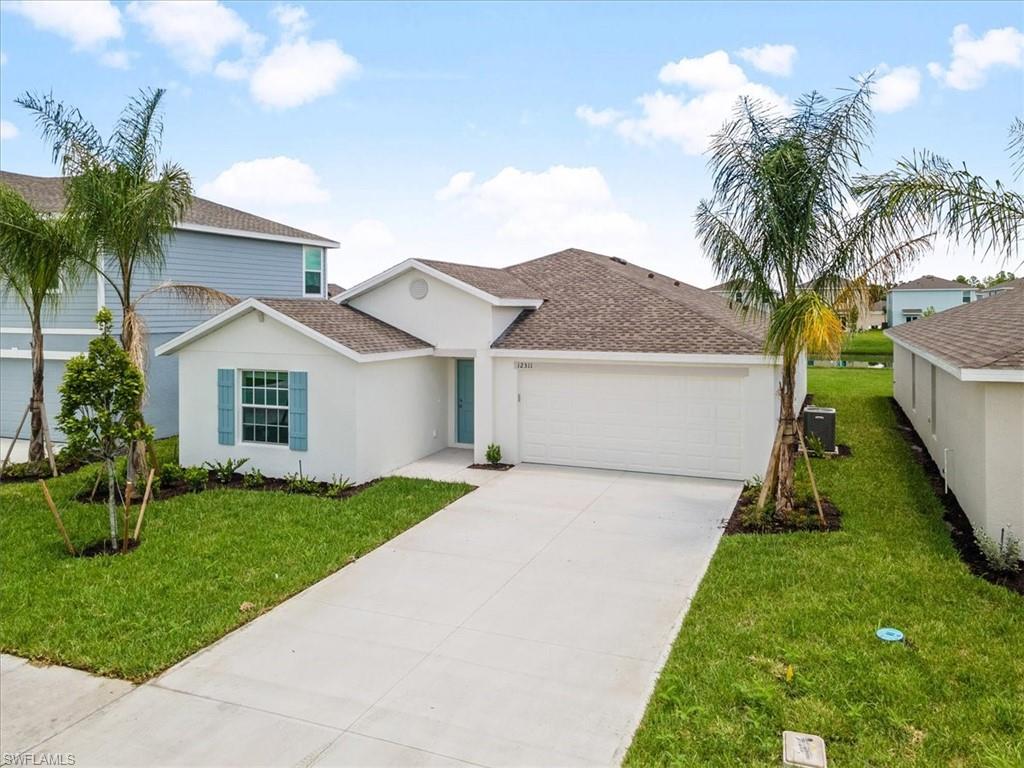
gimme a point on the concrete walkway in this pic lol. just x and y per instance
(524, 624)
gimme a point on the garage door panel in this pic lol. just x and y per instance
(671, 422)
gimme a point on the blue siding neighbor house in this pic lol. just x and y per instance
(925, 295)
(216, 246)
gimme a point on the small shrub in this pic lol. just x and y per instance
(171, 474)
(337, 487)
(1002, 556)
(754, 519)
(299, 483)
(253, 479)
(224, 471)
(752, 487)
(196, 478)
(814, 445)
(493, 453)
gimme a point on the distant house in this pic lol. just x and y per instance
(959, 376)
(333, 289)
(216, 246)
(914, 299)
(1000, 288)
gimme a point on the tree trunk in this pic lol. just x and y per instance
(111, 510)
(134, 344)
(785, 467)
(37, 446)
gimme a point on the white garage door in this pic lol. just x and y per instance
(683, 421)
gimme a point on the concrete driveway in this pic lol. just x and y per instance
(524, 624)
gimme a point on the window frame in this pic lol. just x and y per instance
(305, 270)
(242, 405)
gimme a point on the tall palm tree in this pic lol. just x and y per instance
(783, 223)
(928, 189)
(127, 202)
(41, 261)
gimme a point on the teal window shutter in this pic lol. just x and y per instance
(298, 410)
(226, 406)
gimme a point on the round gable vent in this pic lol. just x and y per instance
(418, 288)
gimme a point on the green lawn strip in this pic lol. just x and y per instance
(954, 695)
(868, 343)
(202, 556)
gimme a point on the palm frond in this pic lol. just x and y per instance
(197, 295)
(73, 139)
(807, 322)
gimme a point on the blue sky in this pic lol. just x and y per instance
(494, 133)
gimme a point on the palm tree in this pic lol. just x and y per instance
(928, 189)
(783, 222)
(41, 260)
(128, 203)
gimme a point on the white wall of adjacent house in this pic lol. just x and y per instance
(364, 419)
(974, 432)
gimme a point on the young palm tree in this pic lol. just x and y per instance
(784, 224)
(127, 202)
(41, 260)
(928, 189)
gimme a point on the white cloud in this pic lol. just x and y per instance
(597, 117)
(266, 184)
(712, 72)
(300, 71)
(896, 88)
(195, 32)
(457, 185)
(974, 56)
(690, 123)
(116, 59)
(294, 19)
(88, 24)
(8, 130)
(556, 208)
(773, 59)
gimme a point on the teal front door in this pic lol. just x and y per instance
(464, 401)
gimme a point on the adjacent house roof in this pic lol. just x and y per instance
(600, 303)
(333, 289)
(931, 283)
(986, 335)
(1006, 286)
(46, 194)
(337, 326)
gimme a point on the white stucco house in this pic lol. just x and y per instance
(959, 376)
(573, 359)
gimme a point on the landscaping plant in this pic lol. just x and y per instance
(253, 479)
(493, 453)
(224, 471)
(337, 487)
(196, 478)
(41, 262)
(1002, 556)
(299, 483)
(99, 411)
(783, 228)
(128, 205)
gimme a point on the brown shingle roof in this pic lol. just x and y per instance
(497, 282)
(983, 334)
(46, 194)
(930, 282)
(597, 303)
(347, 326)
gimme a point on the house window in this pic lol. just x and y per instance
(913, 381)
(265, 407)
(967, 297)
(313, 271)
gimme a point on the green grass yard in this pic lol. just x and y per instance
(952, 696)
(867, 343)
(202, 556)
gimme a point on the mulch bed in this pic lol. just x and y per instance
(960, 529)
(182, 488)
(30, 471)
(103, 547)
(735, 526)
(499, 467)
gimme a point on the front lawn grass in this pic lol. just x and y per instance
(953, 695)
(202, 556)
(867, 343)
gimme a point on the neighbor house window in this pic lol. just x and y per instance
(967, 297)
(265, 407)
(313, 271)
